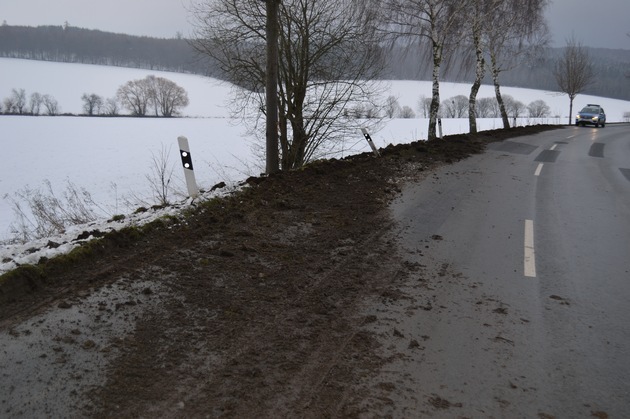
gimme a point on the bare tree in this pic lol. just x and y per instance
(448, 108)
(328, 59)
(169, 97)
(35, 103)
(162, 95)
(480, 14)
(424, 106)
(574, 71)
(476, 29)
(372, 111)
(358, 111)
(460, 105)
(455, 107)
(8, 104)
(513, 107)
(112, 107)
(149, 84)
(440, 22)
(92, 104)
(486, 107)
(407, 113)
(515, 31)
(538, 109)
(134, 96)
(18, 100)
(51, 105)
(391, 107)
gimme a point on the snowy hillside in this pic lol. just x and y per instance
(210, 97)
(112, 157)
(67, 82)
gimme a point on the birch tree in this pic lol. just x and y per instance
(480, 15)
(440, 22)
(515, 31)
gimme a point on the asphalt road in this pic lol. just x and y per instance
(519, 300)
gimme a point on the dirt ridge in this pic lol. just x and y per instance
(255, 297)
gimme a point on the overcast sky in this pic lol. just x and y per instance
(599, 23)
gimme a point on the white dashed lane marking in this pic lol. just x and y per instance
(530, 253)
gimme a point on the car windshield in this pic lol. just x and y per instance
(590, 109)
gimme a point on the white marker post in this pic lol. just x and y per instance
(370, 142)
(184, 152)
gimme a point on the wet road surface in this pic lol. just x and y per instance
(518, 301)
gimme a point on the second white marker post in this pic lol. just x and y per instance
(184, 152)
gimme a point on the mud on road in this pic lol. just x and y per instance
(248, 306)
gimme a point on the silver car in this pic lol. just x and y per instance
(591, 115)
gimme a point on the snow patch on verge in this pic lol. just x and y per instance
(31, 253)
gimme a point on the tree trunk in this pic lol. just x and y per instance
(284, 140)
(571, 97)
(271, 90)
(298, 147)
(479, 73)
(435, 96)
(497, 92)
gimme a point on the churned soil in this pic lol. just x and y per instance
(245, 306)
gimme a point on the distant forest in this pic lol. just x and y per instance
(77, 45)
(611, 67)
(69, 44)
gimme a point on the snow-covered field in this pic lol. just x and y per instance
(112, 157)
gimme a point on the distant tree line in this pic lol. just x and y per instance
(77, 45)
(18, 103)
(151, 96)
(610, 66)
(453, 107)
(488, 107)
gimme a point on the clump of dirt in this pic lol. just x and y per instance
(259, 292)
